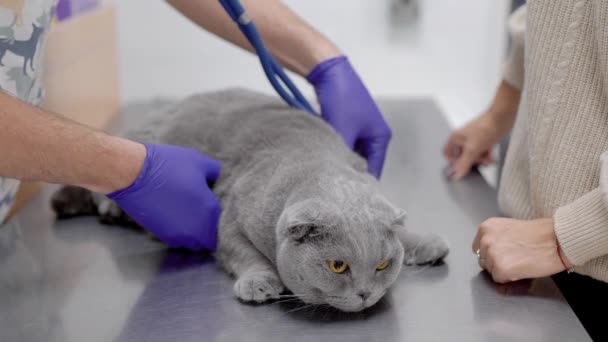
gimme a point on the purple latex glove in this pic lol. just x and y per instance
(171, 197)
(347, 106)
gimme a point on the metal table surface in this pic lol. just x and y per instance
(76, 280)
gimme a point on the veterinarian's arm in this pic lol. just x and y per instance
(41, 146)
(163, 188)
(345, 103)
(290, 39)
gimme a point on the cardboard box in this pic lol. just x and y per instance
(81, 76)
(25, 193)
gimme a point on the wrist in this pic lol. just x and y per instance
(315, 58)
(503, 109)
(319, 73)
(119, 165)
(499, 123)
(329, 51)
(568, 266)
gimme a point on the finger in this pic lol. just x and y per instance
(213, 169)
(476, 242)
(453, 148)
(476, 245)
(448, 171)
(375, 153)
(208, 238)
(193, 245)
(486, 159)
(499, 277)
(486, 264)
(170, 243)
(484, 162)
(488, 156)
(349, 138)
(481, 262)
(463, 165)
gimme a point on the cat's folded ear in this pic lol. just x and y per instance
(305, 233)
(305, 221)
(401, 218)
(398, 222)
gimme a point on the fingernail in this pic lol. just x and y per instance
(456, 152)
(448, 171)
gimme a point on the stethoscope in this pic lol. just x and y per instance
(272, 69)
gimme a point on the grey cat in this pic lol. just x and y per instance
(299, 209)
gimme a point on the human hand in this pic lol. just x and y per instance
(511, 249)
(171, 197)
(347, 106)
(472, 145)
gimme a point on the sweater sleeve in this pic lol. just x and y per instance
(581, 227)
(513, 72)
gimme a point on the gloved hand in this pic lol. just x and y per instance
(347, 106)
(171, 197)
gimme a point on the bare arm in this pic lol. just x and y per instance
(504, 108)
(41, 146)
(291, 40)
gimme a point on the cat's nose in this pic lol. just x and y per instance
(364, 294)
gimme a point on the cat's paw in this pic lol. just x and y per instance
(258, 287)
(430, 250)
(71, 201)
(110, 213)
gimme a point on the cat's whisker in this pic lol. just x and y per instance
(293, 295)
(287, 300)
(290, 300)
(323, 306)
(307, 306)
(325, 314)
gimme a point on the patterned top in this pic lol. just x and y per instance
(23, 28)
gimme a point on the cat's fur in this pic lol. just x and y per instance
(294, 197)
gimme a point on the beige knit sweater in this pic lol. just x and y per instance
(556, 165)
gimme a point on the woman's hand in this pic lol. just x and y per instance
(511, 249)
(472, 145)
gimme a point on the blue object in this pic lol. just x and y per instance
(350, 110)
(67, 9)
(274, 71)
(171, 197)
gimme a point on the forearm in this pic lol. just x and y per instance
(292, 41)
(504, 107)
(41, 146)
(581, 226)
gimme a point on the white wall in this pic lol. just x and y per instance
(452, 51)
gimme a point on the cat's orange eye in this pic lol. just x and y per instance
(383, 265)
(338, 266)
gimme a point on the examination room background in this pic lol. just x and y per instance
(449, 50)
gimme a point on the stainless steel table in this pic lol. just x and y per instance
(76, 280)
